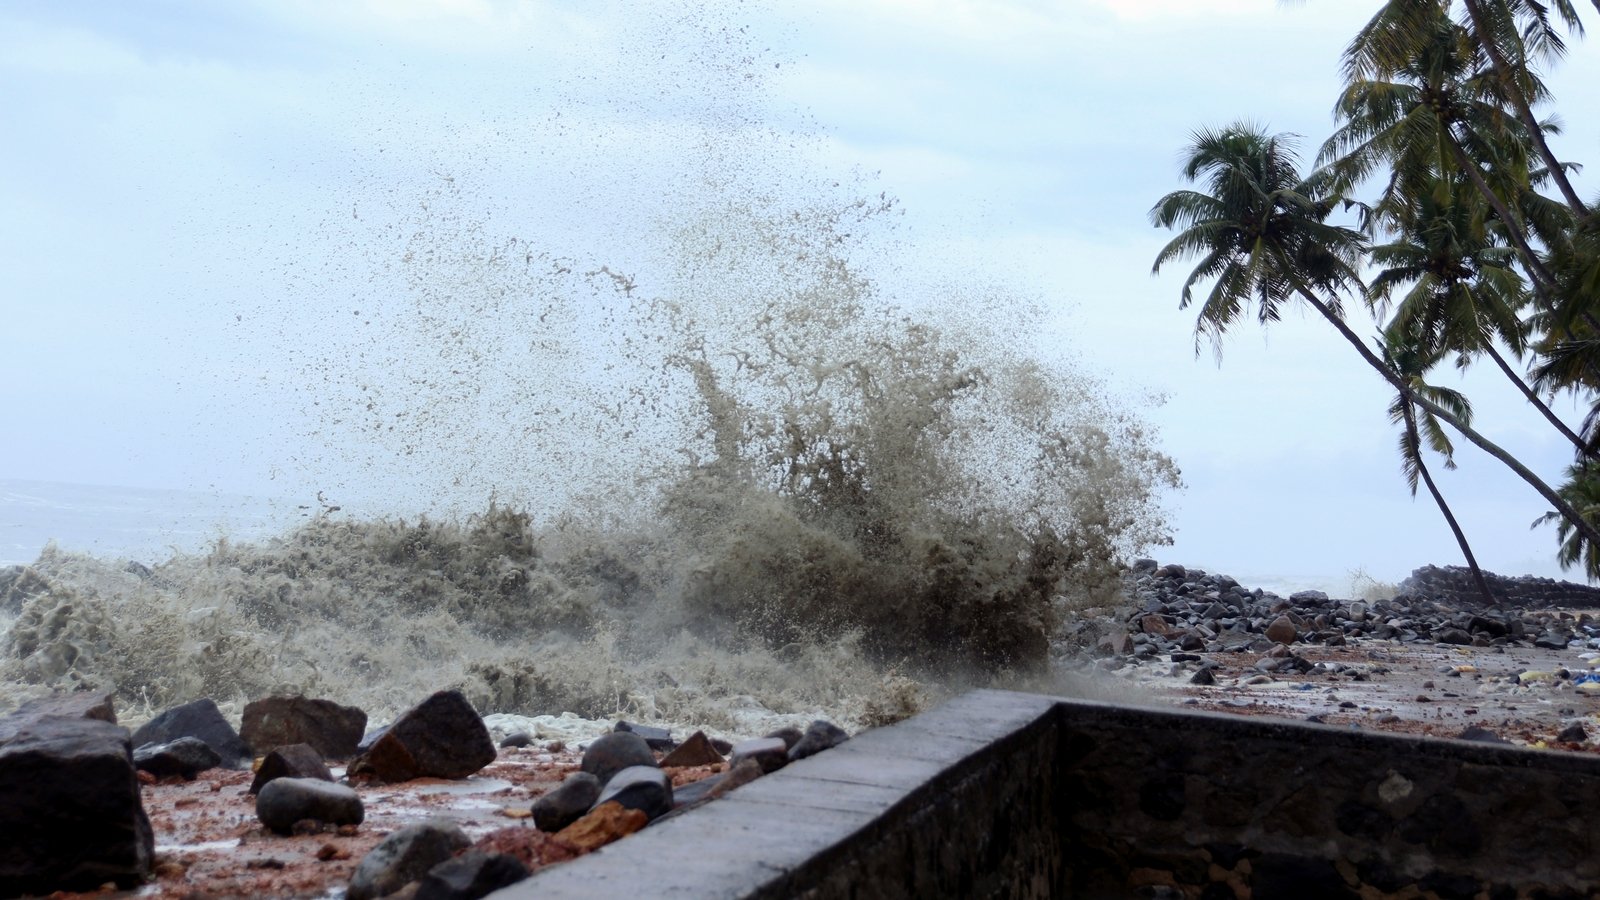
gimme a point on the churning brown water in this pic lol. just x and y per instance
(715, 449)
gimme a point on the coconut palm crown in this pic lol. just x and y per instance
(1259, 228)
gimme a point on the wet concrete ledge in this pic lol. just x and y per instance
(1018, 795)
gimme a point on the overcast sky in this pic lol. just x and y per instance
(189, 183)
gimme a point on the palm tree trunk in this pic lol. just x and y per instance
(1582, 525)
(1524, 111)
(1449, 517)
(1544, 410)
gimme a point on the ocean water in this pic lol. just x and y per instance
(138, 524)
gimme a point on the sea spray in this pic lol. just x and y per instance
(864, 511)
(722, 453)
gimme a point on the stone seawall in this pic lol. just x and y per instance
(1454, 584)
(999, 794)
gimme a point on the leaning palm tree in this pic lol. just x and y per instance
(1411, 363)
(1262, 237)
(1458, 293)
(1423, 107)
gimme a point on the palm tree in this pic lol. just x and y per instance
(1463, 295)
(1262, 236)
(1419, 101)
(1515, 34)
(1582, 490)
(1407, 361)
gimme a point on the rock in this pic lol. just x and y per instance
(71, 818)
(441, 737)
(471, 875)
(185, 756)
(285, 801)
(334, 730)
(771, 754)
(199, 719)
(611, 753)
(1573, 734)
(404, 857)
(517, 739)
(1481, 735)
(566, 804)
(1152, 623)
(1143, 564)
(820, 735)
(1308, 597)
(645, 788)
(605, 823)
(696, 751)
(1172, 570)
(1282, 630)
(694, 792)
(722, 746)
(76, 705)
(1553, 640)
(292, 761)
(1452, 636)
(654, 738)
(1191, 640)
(789, 736)
(1358, 611)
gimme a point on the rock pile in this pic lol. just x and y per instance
(1454, 584)
(73, 816)
(1178, 610)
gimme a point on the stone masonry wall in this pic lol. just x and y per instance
(999, 794)
(1200, 805)
(1454, 584)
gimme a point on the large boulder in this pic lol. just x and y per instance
(470, 876)
(70, 814)
(404, 857)
(292, 761)
(611, 753)
(198, 719)
(441, 737)
(333, 729)
(283, 802)
(185, 757)
(567, 803)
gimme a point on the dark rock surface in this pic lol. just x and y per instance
(405, 856)
(655, 738)
(611, 753)
(333, 729)
(567, 803)
(471, 875)
(770, 753)
(789, 736)
(71, 817)
(186, 757)
(519, 739)
(198, 719)
(819, 736)
(645, 788)
(285, 801)
(292, 761)
(441, 737)
(696, 750)
(76, 705)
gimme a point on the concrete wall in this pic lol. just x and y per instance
(1000, 794)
